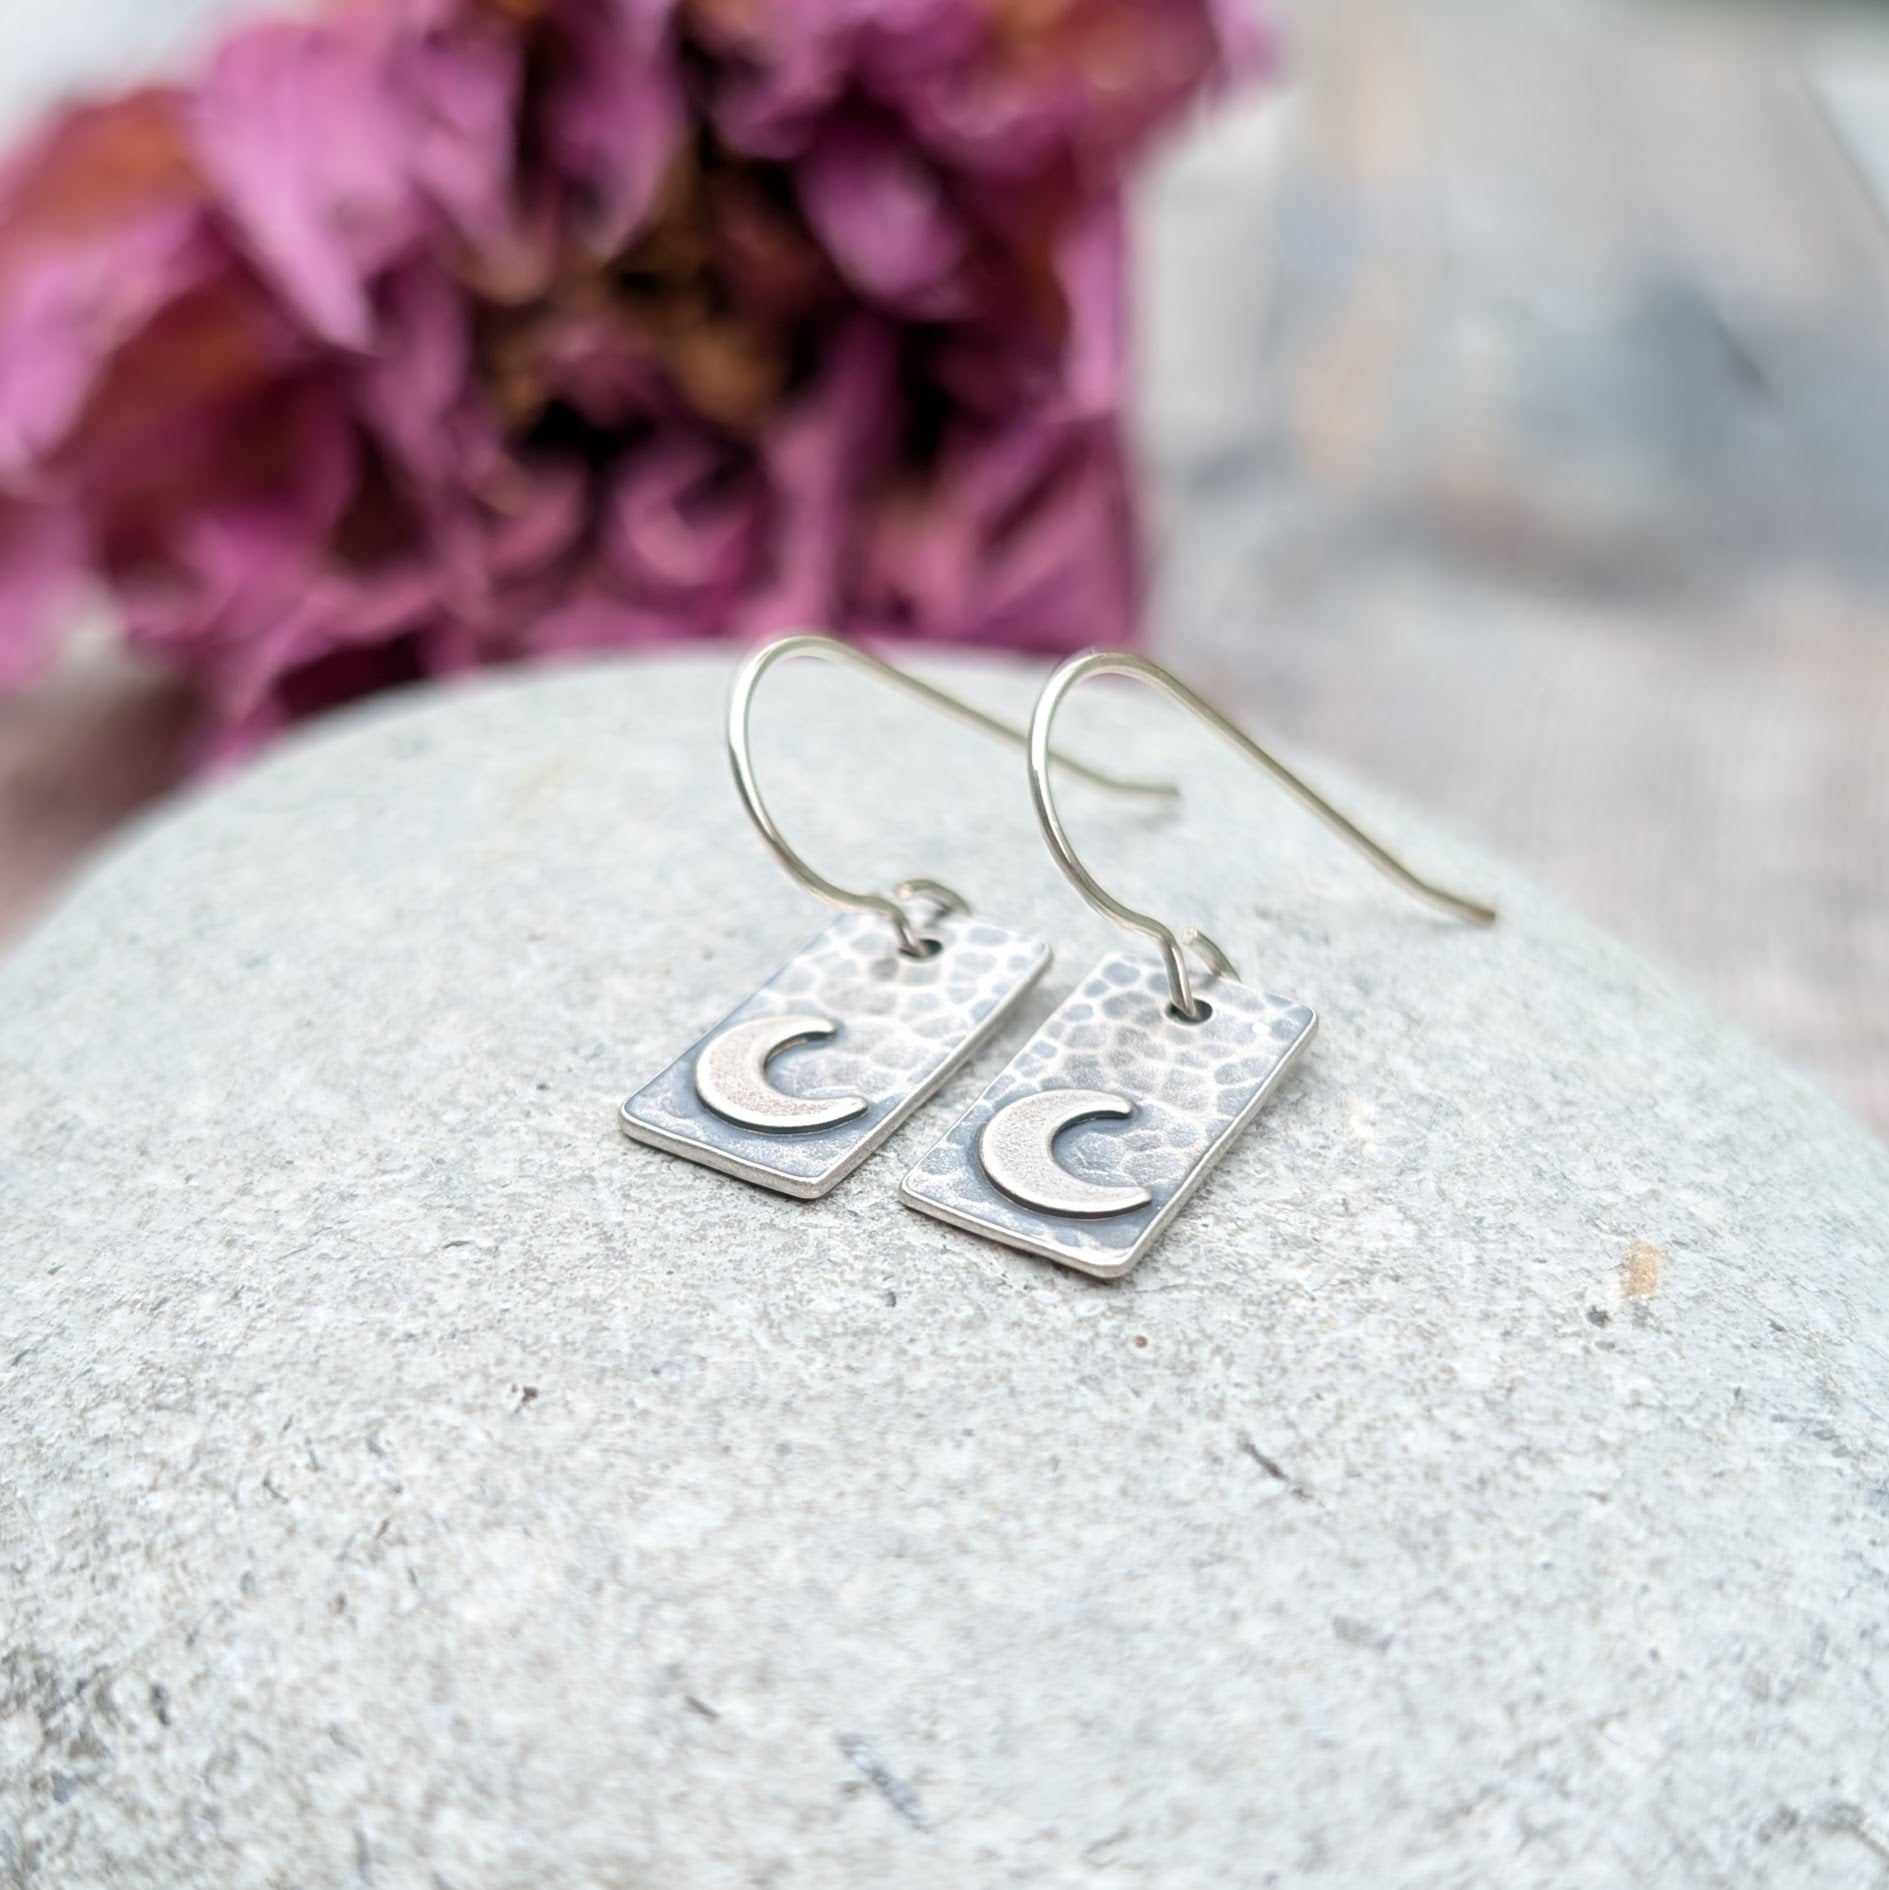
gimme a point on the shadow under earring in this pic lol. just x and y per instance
(808, 1075)
(1166, 1076)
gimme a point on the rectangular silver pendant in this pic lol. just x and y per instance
(800, 1082)
(1107, 1120)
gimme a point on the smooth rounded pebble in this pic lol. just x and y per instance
(405, 1480)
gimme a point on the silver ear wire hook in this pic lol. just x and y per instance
(1180, 985)
(831, 650)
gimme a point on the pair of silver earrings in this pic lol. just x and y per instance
(900, 990)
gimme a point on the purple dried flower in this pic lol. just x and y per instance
(422, 334)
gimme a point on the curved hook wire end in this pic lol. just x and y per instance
(1122, 663)
(848, 656)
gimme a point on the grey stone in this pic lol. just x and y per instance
(406, 1480)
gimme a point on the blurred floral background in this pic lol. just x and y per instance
(1492, 398)
(412, 335)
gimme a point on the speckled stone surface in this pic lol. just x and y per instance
(405, 1480)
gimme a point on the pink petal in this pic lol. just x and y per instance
(297, 129)
(458, 92)
(419, 374)
(1092, 265)
(41, 549)
(338, 638)
(603, 366)
(787, 66)
(1248, 40)
(593, 618)
(1000, 364)
(226, 584)
(543, 528)
(61, 324)
(614, 113)
(783, 68)
(885, 219)
(825, 454)
(1080, 91)
(682, 528)
(1066, 573)
(1026, 537)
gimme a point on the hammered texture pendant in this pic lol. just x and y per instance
(1089, 1144)
(798, 1084)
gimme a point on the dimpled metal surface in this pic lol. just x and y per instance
(1194, 1088)
(902, 1025)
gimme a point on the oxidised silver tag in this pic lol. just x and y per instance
(1091, 1141)
(798, 1084)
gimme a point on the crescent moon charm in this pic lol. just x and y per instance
(1017, 1150)
(731, 1077)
